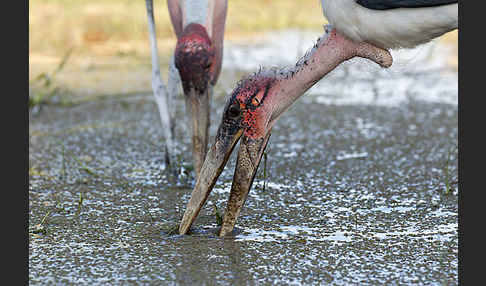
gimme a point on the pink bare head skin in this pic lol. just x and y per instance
(194, 56)
(253, 108)
(214, 23)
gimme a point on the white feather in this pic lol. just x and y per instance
(197, 11)
(393, 28)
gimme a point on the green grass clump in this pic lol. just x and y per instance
(218, 216)
(449, 180)
(43, 88)
(170, 228)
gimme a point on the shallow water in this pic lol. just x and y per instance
(354, 195)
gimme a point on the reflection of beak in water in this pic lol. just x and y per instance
(251, 111)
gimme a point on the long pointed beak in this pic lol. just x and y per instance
(249, 157)
(213, 165)
(198, 109)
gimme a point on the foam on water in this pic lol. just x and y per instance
(443, 232)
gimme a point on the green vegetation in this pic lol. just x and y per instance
(44, 87)
(449, 180)
(170, 228)
(82, 166)
(80, 203)
(40, 228)
(218, 216)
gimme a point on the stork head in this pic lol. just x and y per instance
(250, 106)
(194, 58)
(248, 115)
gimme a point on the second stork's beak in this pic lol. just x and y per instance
(198, 106)
(249, 156)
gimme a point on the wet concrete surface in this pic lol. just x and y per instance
(355, 194)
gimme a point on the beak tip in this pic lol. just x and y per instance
(222, 233)
(226, 228)
(181, 230)
(184, 226)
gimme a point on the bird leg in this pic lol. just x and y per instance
(162, 96)
(173, 89)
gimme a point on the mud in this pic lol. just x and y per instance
(358, 192)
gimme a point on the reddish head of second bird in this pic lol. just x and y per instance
(194, 55)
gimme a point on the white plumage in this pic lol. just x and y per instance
(393, 28)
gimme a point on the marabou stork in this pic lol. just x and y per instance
(260, 99)
(199, 28)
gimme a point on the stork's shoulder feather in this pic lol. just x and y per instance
(397, 27)
(392, 4)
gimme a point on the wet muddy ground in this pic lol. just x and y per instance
(360, 189)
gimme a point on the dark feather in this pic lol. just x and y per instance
(392, 4)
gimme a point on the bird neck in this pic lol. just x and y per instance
(329, 51)
(197, 11)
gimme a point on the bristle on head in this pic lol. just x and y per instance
(248, 88)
